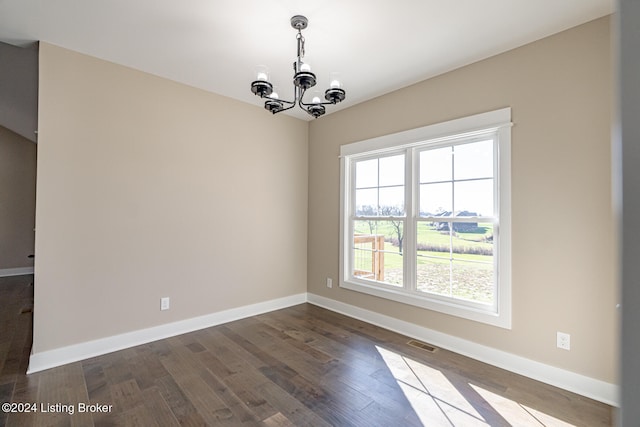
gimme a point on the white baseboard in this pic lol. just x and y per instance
(6, 272)
(589, 387)
(586, 386)
(73, 353)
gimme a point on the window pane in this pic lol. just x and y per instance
(393, 232)
(377, 251)
(473, 160)
(433, 266)
(434, 239)
(435, 199)
(367, 202)
(456, 259)
(472, 267)
(363, 262)
(391, 201)
(435, 165)
(363, 227)
(472, 281)
(474, 198)
(393, 269)
(380, 186)
(472, 241)
(367, 173)
(434, 276)
(365, 246)
(392, 170)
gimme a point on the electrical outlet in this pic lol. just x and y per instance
(164, 303)
(563, 341)
(329, 282)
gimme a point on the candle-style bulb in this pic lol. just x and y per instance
(262, 73)
(305, 67)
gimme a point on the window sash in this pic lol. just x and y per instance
(412, 217)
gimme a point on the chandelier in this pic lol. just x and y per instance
(303, 79)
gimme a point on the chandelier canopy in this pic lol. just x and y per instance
(303, 79)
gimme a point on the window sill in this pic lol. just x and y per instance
(502, 320)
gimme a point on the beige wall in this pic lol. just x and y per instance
(148, 188)
(564, 262)
(17, 200)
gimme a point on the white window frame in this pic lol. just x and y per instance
(495, 123)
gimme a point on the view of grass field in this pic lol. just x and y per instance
(450, 263)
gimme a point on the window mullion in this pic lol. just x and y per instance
(410, 234)
(453, 214)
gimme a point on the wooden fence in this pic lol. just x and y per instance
(373, 244)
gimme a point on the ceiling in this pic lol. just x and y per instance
(377, 46)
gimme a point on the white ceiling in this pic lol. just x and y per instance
(376, 45)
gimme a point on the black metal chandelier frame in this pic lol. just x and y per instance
(303, 79)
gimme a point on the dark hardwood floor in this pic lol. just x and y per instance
(301, 366)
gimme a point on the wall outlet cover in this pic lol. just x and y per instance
(563, 341)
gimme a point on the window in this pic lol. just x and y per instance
(425, 217)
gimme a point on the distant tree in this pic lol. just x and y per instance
(395, 211)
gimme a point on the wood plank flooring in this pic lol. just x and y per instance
(301, 366)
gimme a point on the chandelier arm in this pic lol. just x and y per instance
(281, 100)
(293, 104)
(300, 103)
(290, 103)
(316, 103)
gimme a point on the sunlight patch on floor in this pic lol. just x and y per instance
(450, 400)
(516, 413)
(433, 398)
